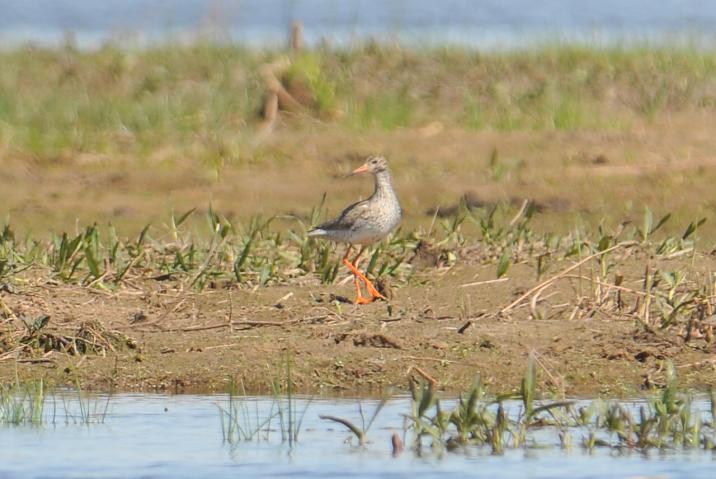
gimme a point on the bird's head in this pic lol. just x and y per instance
(374, 164)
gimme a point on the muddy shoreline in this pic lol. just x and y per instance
(164, 338)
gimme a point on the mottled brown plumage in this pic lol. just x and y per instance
(365, 222)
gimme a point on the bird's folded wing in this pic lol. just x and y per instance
(351, 218)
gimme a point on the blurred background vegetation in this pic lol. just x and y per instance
(203, 99)
(126, 133)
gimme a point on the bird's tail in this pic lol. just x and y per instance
(316, 232)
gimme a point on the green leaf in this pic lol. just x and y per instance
(547, 407)
(648, 223)
(92, 261)
(529, 382)
(504, 263)
(373, 260)
(239, 263)
(604, 242)
(661, 222)
(141, 238)
(179, 261)
(693, 226)
(35, 324)
(426, 401)
(264, 274)
(183, 217)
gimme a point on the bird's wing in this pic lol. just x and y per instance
(350, 219)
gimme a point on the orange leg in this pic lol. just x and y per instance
(355, 260)
(368, 284)
(359, 297)
(358, 275)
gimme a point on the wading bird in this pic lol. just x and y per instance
(365, 222)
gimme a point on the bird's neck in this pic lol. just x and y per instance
(383, 184)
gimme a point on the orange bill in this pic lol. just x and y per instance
(360, 169)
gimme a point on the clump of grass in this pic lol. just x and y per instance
(22, 403)
(290, 418)
(92, 409)
(668, 421)
(518, 419)
(238, 421)
(474, 114)
(307, 70)
(249, 253)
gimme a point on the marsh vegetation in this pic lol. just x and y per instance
(557, 193)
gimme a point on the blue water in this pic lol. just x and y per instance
(156, 436)
(482, 23)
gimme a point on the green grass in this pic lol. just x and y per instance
(22, 403)
(202, 100)
(241, 423)
(526, 418)
(672, 293)
(26, 404)
(241, 253)
(667, 421)
(290, 418)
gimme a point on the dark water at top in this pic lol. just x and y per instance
(156, 436)
(481, 23)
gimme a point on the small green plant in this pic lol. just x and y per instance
(478, 419)
(22, 403)
(648, 227)
(91, 409)
(289, 417)
(238, 421)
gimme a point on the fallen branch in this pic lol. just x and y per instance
(12, 353)
(353, 428)
(698, 364)
(263, 323)
(202, 328)
(469, 322)
(487, 281)
(421, 372)
(36, 360)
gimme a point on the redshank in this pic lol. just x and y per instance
(365, 222)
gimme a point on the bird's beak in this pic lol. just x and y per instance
(360, 169)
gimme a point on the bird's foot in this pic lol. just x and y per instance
(373, 297)
(357, 278)
(373, 291)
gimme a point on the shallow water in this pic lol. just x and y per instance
(156, 436)
(485, 23)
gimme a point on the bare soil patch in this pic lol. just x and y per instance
(159, 336)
